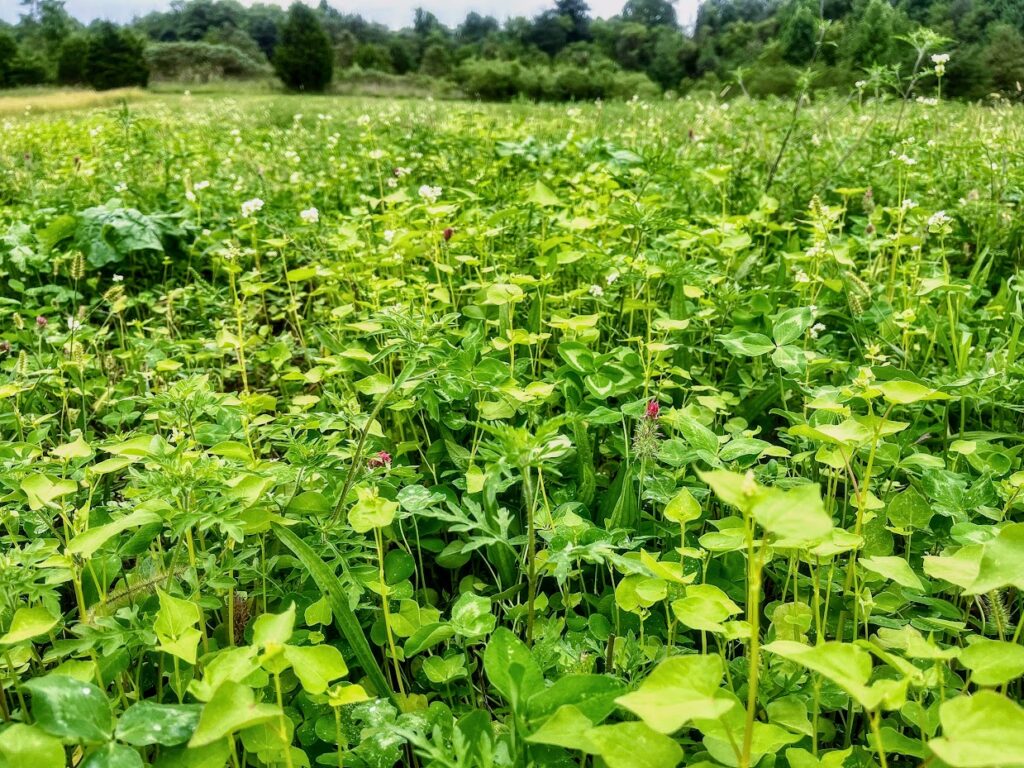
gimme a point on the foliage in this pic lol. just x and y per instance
(388, 433)
(114, 59)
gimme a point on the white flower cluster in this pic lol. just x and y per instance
(310, 215)
(429, 193)
(250, 207)
(940, 60)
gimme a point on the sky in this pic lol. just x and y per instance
(394, 13)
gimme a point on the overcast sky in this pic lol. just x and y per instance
(394, 13)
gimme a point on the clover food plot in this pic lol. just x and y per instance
(449, 435)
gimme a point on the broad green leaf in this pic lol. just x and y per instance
(175, 626)
(845, 664)
(894, 568)
(29, 623)
(472, 617)
(683, 508)
(1002, 561)
(147, 722)
(27, 745)
(568, 728)
(510, 667)
(747, 344)
(86, 543)
(704, 607)
(980, 731)
(540, 194)
(232, 708)
(70, 709)
(371, 511)
(42, 491)
(634, 745)
(113, 756)
(234, 664)
(677, 691)
(316, 666)
(907, 392)
(274, 628)
(992, 662)
(427, 637)
(791, 325)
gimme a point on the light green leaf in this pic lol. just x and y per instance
(993, 662)
(87, 542)
(29, 623)
(371, 511)
(894, 568)
(27, 745)
(980, 731)
(232, 708)
(274, 628)
(316, 666)
(175, 626)
(634, 745)
(677, 691)
(70, 709)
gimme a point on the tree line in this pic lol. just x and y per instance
(761, 47)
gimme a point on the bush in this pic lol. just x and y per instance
(492, 80)
(8, 53)
(28, 68)
(202, 62)
(115, 59)
(304, 59)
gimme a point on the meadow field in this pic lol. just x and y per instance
(374, 433)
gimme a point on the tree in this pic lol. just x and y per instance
(304, 59)
(114, 58)
(650, 13)
(72, 64)
(8, 53)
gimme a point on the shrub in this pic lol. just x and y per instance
(304, 59)
(202, 62)
(115, 59)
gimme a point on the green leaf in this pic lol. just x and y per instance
(70, 709)
(993, 662)
(316, 666)
(85, 544)
(113, 756)
(472, 617)
(540, 194)
(146, 722)
(683, 508)
(593, 695)
(427, 637)
(747, 344)
(907, 392)
(847, 665)
(634, 745)
(979, 731)
(791, 324)
(1002, 561)
(371, 511)
(42, 491)
(679, 690)
(568, 728)
(29, 623)
(175, 626)
(27, 745)
(344, 618)
(274, 628)
(894, 568)
(232, 708)
(510, 667)
(704, 607)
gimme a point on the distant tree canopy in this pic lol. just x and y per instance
(763, 44)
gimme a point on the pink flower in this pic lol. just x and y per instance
(653, 410)
(447, 234)
(382, 459)
(41, 321)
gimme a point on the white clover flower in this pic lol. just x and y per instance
(907, 204)
(939, 219)
(74, 324)
(250, 207)
(190, 195)
(596, 291)
(363, 120)
(801, 277)
(118, 278)
(401, 171)
(611, 277)
(429, 193)
(310, 215)
(816, 330)
(940, 58)
(392, 183)
(860, 84)
(907, 160)
(376, 154)
(389, 235)
(120, 187)
(199, 186)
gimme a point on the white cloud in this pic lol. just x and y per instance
(394, 13)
